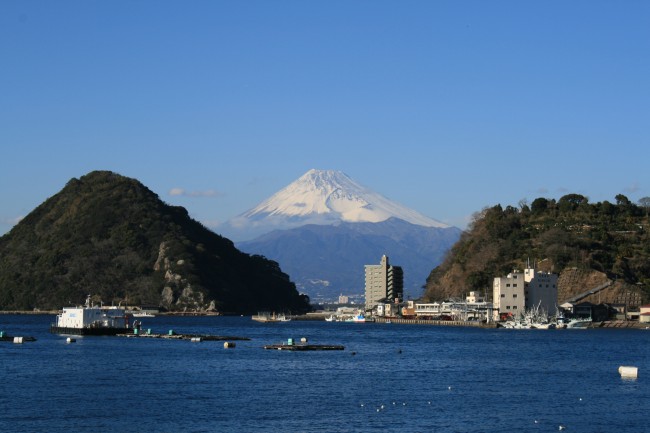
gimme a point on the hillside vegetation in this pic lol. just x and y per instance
(110, 236)
(585, 243)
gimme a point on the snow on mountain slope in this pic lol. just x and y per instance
(323, 197)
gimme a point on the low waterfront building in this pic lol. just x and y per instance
(387, 310)
(475, 297)
(644, 313)
(453, 310)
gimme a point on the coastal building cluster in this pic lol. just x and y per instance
(530, 295)
(512, 295)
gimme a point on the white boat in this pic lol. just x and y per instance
(359, 318)
(92, 320)
(143, 314)
(578, 324)
(266, 317)
(330, 318)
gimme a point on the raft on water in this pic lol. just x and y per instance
(303, 347)
(195, 337)
(9, 338)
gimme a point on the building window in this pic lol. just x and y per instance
(508, 307)
(503, 295)
(514, 308)
(514, 295)
(508, 285)
(514, 285)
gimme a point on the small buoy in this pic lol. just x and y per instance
(354, 353)
(536, 422)
(449, 388)
(70, 340)
(626, 371)
(303, 340)
(228, 345)
(561, 427)
(399, 350)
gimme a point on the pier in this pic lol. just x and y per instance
(402, 321)
(303, 347)
(192, 337)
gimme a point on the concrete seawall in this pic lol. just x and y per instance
(435, 322)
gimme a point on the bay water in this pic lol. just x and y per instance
(389, 378)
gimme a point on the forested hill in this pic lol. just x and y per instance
(111, 237)
(587, 244)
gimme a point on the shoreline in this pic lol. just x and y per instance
(608, 324)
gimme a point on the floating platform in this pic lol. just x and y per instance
(303, 347)
(63, 330)
(10, 338)
(191, 337)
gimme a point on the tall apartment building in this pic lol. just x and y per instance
(384, 283)
(519, 291)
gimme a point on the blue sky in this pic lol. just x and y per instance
(443, 106)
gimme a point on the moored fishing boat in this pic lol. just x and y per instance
(92, 320)
(266, 317)
(143, 314)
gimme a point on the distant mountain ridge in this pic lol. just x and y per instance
(325, 261)
(321, 197)
(324, 227)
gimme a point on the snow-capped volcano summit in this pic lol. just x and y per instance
(325, 227)
(324, 197)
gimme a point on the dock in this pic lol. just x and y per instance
(464, 323)
(303, 347)
(12, 339)
(191, 337)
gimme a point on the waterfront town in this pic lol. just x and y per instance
(520, 299)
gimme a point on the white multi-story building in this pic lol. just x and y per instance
(384, 283)
(519, 291)
(541, 290)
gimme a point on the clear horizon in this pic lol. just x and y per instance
(445, 107)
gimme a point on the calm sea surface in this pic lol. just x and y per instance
(389, 378)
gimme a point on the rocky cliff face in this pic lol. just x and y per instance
(110, 236)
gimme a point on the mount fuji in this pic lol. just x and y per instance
(324, 227)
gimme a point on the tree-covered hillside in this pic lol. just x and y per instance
(110, 236)
(565, 235)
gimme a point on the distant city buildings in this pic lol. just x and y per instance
(384, 284)
(521, 291)
(343, 299)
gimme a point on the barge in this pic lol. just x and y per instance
(92, 320)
